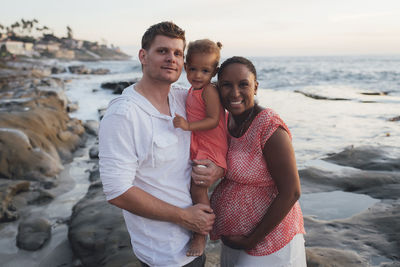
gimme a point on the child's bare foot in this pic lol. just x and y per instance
(197, 245)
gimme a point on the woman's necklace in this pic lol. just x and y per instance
(242, 126)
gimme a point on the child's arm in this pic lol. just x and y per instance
(213, 107)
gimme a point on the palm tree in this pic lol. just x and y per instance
(69, 33)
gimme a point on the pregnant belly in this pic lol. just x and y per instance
(239, 208)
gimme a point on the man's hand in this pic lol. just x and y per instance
(198, 218)
(180, 122)
(205, 172)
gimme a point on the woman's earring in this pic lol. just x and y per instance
(256, 98)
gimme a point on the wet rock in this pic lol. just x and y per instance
(365, 158)
(97, 232)
(36, 133)
(94, 174)
(319, 97)
(94, 152)
(81, 69)
(78, 69)
(41, 72)
(331, 257)
(374, 93)
(38, 197)
(8, 190)
(100, 71)
(382, 185)
(72, 106)
(33, 233)
(101, 112)
(118, 87)
(57, 70)
(374, 233)
(92, 127)
(397, 118)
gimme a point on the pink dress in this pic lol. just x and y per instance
(209, 144)
(243, 197)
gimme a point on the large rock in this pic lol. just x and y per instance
(81, 69)
(36, 136)
(118, 87)
(382, 185)
(94, 152)
(372, 234)
(366, 158)
(7, 192)
(78, 69)
(97, 232)
(57, 70)
(331, 257)
(92, 127)
(33, 233)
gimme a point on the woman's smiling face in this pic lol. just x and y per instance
(237, 86)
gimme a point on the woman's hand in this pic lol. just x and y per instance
(238, 242)
(205, 172)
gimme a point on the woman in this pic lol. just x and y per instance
(258, 217)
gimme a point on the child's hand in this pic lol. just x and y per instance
(180, 122)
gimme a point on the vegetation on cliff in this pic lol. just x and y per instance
(30, 38)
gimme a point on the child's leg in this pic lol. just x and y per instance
(198, 242)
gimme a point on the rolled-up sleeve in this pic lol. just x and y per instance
(117, 153)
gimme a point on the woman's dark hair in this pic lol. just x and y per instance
(239, 60)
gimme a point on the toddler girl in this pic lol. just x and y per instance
(205, 118)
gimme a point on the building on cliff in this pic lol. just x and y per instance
(17, 47)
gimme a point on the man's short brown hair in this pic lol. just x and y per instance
(165, 28)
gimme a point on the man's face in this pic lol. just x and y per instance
(163, 61)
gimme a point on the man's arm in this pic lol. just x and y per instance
(118, 163)
(198, 218)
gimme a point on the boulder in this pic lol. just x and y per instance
(320, 97)
(366, 158)
(8, 190)
(99, 71)
(374, 233)
(78, 69)
(94, 174)
(97, 232)
(72, 106)
(331, 257)
(382, 185)
(36, 136)
(397, 118)
(57, 70)
(94, 152)
(33, 233)
(118, 87)
(101, 112)
(81, 69)
(91, 127)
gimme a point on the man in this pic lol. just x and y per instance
(144, 160)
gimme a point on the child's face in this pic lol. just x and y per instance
(201, 69)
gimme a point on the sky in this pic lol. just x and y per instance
(245, 28)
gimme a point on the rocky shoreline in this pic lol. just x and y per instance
(39, 141)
